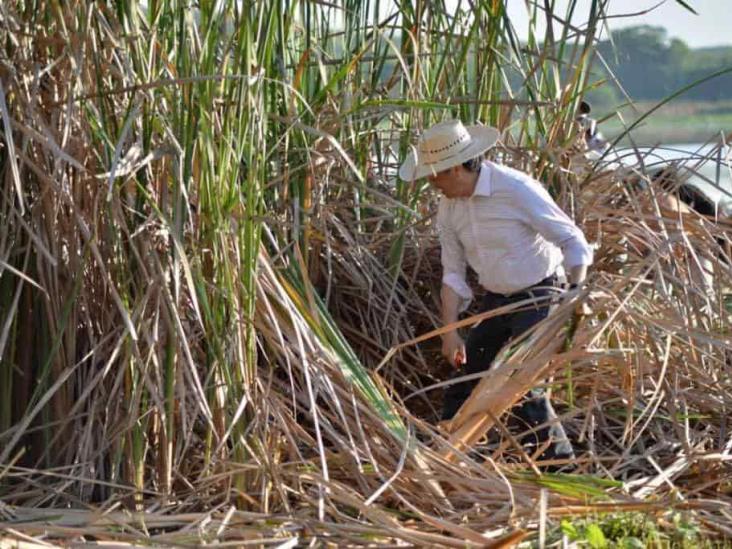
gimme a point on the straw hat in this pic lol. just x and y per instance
(445, 145)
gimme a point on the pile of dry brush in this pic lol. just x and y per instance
(184, 359)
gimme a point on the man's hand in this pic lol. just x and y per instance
(582, 308)
(453, 349)
(577, 277)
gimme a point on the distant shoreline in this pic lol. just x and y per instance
(677, 123)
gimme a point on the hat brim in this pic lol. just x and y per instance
(482, 139)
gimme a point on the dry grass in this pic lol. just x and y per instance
(218, 327)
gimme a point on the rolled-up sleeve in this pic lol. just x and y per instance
(543, 214)
(453, 258)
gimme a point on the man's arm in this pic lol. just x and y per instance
(453, 347)
(455, 294)
(544, 215)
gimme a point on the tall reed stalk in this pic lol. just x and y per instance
(204, 250)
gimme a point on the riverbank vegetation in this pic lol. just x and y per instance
(218, 306)
(678, 122)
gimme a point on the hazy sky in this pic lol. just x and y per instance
(712, 27)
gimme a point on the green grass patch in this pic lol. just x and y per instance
(634, 530)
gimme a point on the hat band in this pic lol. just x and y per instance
(428, 161)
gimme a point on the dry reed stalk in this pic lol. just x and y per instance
(182, 386)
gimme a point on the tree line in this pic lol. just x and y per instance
(650, 65)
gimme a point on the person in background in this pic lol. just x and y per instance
(593, 138)
(504, 224)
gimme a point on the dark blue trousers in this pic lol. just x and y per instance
(484, 342)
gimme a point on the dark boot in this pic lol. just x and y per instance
(535, 410)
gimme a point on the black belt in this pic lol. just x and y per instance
(550, 281)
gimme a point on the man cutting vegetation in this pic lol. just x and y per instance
(504, 224)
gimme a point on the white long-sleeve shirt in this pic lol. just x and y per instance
(509, 231)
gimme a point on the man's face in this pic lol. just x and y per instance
(444, 182)
(452, 182)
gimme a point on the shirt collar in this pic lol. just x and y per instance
(484, 186)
